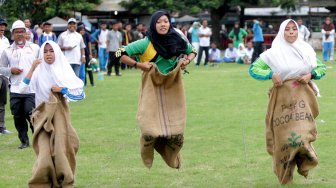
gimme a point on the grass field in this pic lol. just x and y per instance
(224, 139)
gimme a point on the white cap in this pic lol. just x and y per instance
(18, 24)
(72, 20)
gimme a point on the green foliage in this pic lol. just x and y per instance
(40, 10)
(289, 5)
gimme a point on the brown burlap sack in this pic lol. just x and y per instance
(55, 143)
(162, 116)
(290, 129)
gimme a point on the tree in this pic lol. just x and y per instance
(41, 10)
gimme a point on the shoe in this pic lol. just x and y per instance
(24, 145)
(5, 132)
(118, 74)
(108, 74)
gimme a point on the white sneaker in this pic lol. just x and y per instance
(6, 132)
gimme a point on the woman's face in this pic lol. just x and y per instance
(162, 25)
(291, 32)
(49, 55)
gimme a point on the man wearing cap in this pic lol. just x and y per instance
(72, 44)
(4, 43)
(47, 34)
(100, 36)
(15, 63)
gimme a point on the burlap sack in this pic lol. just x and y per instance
(162, 116)
(291, 129)
(55, 143)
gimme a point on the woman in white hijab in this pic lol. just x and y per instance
(242, 55)
(52, 72)
(291, 63)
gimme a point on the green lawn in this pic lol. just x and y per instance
(224, 139)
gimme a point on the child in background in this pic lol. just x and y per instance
(214, 54)
(230, 53)
(242, 55)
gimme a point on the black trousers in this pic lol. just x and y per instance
(21, 106)
(113, 61)
(200, 52)
(257, 50)
(88, 70)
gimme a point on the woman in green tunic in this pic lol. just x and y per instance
(161, 115)
(237, 35)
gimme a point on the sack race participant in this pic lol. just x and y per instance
(291, 63)
(55, 141)
(162, 111)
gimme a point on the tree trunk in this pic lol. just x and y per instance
(216, 15)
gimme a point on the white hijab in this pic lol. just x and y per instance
(58, 73)
(289, 60)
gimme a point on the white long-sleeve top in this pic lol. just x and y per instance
(18, 57)
(304, 32)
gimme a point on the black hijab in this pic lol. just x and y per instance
(168, 45)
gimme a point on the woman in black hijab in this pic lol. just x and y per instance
(161, 115)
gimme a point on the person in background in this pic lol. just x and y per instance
(291, 64)
(88, 54)
(237, 35)
(114, 40)
(4, 44)
(100, 36)
(15, 63)
(230, 54)
(328, 40)
(39, 29)
(127, 38)
(304, 33)
(72, 44)
(139, 32)
(214, 53)
(249, 49)
(242, 55)
(33, 34)
(204, 34)
(47, 34)
(258, 39)
(193, 31)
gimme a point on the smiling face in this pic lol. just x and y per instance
(162, 25)
(291, 32)
(49, 55)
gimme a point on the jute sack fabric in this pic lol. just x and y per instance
(162, 116)
(291, 129)
(55, 143)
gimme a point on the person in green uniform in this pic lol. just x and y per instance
(291, 64)
(161, 115)
(237, 35)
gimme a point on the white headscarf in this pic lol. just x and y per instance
(241, 51)
(289, 60)
(58, 73)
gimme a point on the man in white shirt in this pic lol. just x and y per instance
(4, 43)
(100, 36)
(204, 34)
(304, 33)
(15, 63)
(72, 44)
